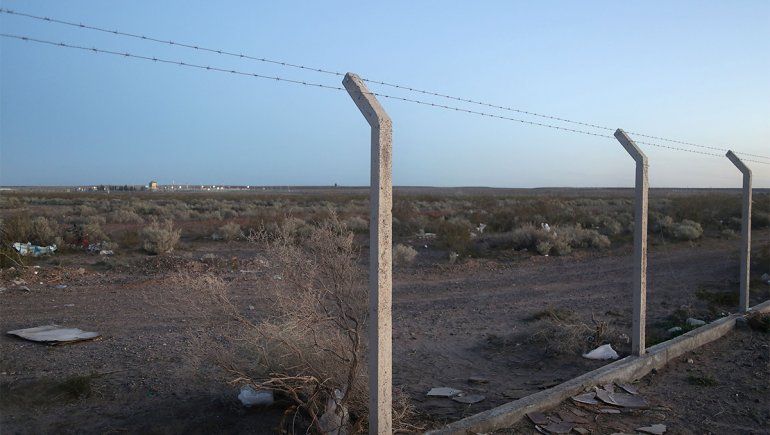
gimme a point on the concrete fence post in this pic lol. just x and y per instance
(745, 231)
(640, 242)
(380, 256)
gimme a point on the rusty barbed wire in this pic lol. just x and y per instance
(126, 54)
(373, 81)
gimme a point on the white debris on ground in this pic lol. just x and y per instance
(33, 250)
(602, 352)
(250, 397)
(457, 395)
(53, 334)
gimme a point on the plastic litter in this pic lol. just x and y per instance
(602, 352)
(33, 250)
(250, 397)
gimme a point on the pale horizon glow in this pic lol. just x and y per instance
(692, 71)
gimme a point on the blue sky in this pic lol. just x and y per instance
(692, 70)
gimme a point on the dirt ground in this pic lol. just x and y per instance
(452, 322)
(720, 388)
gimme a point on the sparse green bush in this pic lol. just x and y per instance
(403, 254)
(159, 238)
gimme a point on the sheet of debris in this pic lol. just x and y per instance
(53, 334)
(584, 412)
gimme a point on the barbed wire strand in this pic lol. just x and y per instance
(126, 54)
(378, 82)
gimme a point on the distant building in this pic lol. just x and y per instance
(153, 185)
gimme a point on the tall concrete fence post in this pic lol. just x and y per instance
(380, 257)
(745, 231)
(640, 242)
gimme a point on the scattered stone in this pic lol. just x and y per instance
(61, 286)
(655, 429)
(468, 399)
(24, 288)
(690, 361)
(538, 418)
(695, 322)
(578, 412)
(581, 431)
(250, 397)
(675, 330)
(765, 278)
(443, 392)
(478, 380)
(602, 352)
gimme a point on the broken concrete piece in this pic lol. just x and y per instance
(571, 418)
(538, 418)
(608, 411)
(629, 400)
(443, 392)
(469, 399)
(53, 334)
(587, 398)
(628, 388)
(602, 352)
(561, 427)
(250, 397)
(675, 330)
(655, 429)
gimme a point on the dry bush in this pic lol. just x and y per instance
(403, 254)
(357, 224)
(312, 343)
(686, 230)
(559, 240)
(562, 334)
(125, 216)
(159, 238)
(230, 231)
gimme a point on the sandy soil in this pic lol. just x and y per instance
(451, 323)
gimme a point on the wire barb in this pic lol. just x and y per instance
(378, 82)
(339, 88)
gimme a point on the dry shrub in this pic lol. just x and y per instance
(230, 231)
(562, 334)
(559, 240)
(357, 224)
(159, 238)
(311, 344)
(125, 216)
(403, 254)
